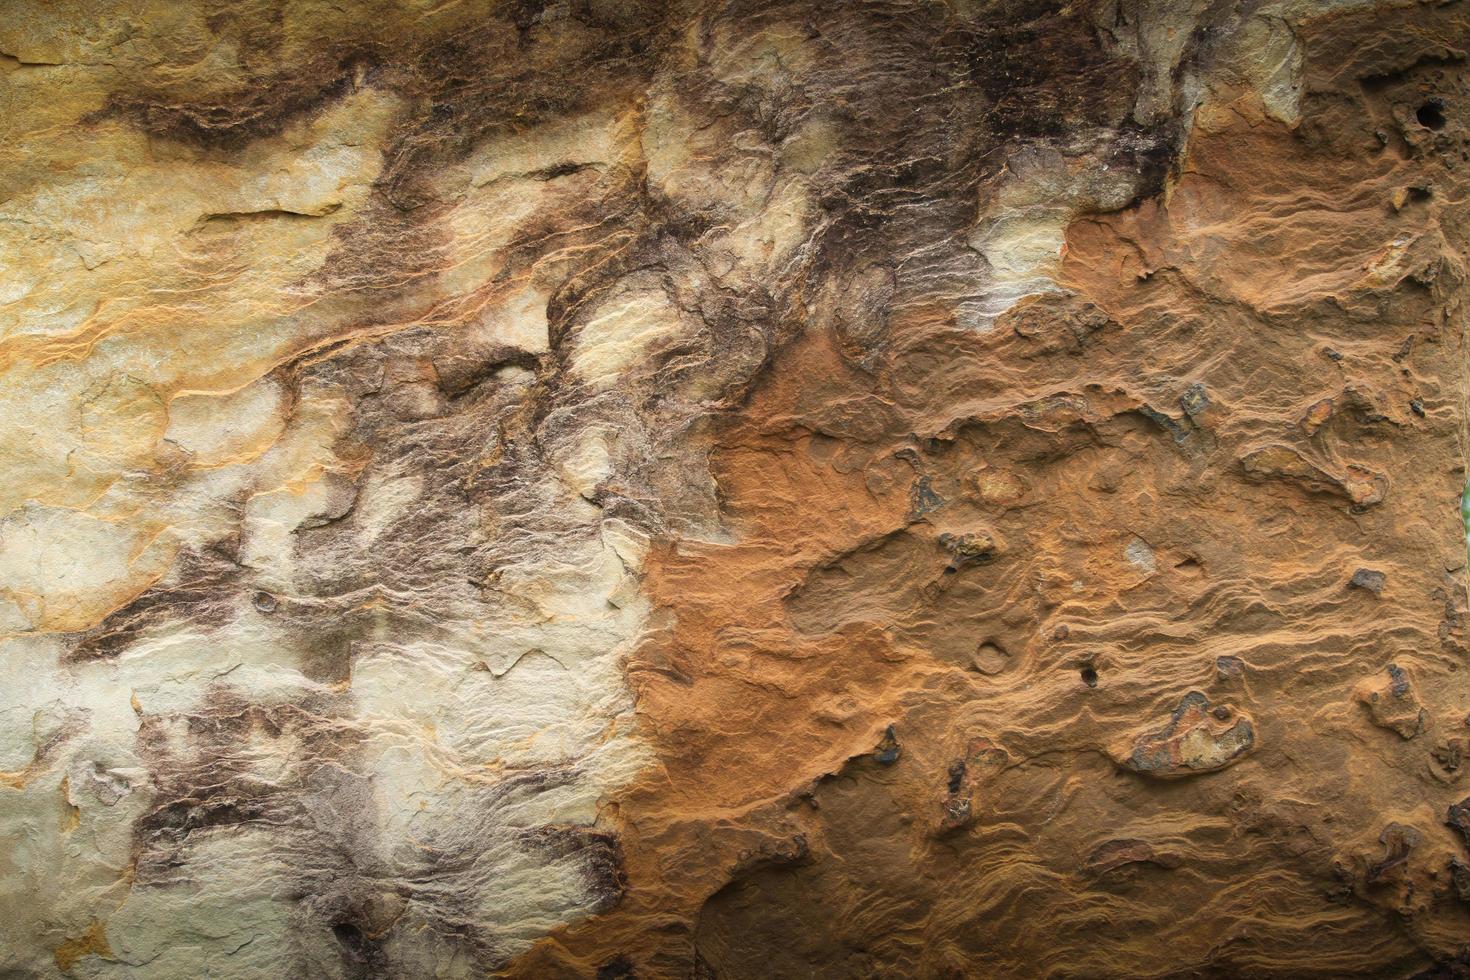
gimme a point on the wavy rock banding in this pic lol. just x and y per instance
(699, 489)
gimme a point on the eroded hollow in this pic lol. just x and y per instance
(1431, 114)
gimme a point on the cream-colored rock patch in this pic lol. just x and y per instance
(233, 427)
(65, 569)
(621, 331)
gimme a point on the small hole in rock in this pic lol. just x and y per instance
(1431, 114)
(353, 942)
(1089, 676)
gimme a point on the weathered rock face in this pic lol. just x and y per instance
(733, 490)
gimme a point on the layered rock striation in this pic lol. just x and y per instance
(612, 488)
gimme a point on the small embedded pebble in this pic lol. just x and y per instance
(888, 750)
(1370, 579)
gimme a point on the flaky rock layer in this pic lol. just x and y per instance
(612, 488)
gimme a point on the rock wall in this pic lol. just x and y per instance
(621, 488)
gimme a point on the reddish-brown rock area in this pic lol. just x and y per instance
(722, 490)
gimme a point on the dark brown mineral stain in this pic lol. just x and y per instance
(599, 855)
(1044, 70)
(229, 119)
(202, 590)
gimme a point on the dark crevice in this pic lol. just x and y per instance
(1431, 114)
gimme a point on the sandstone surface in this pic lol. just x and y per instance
(733, 488)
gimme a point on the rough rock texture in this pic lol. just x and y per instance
(615, 488)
